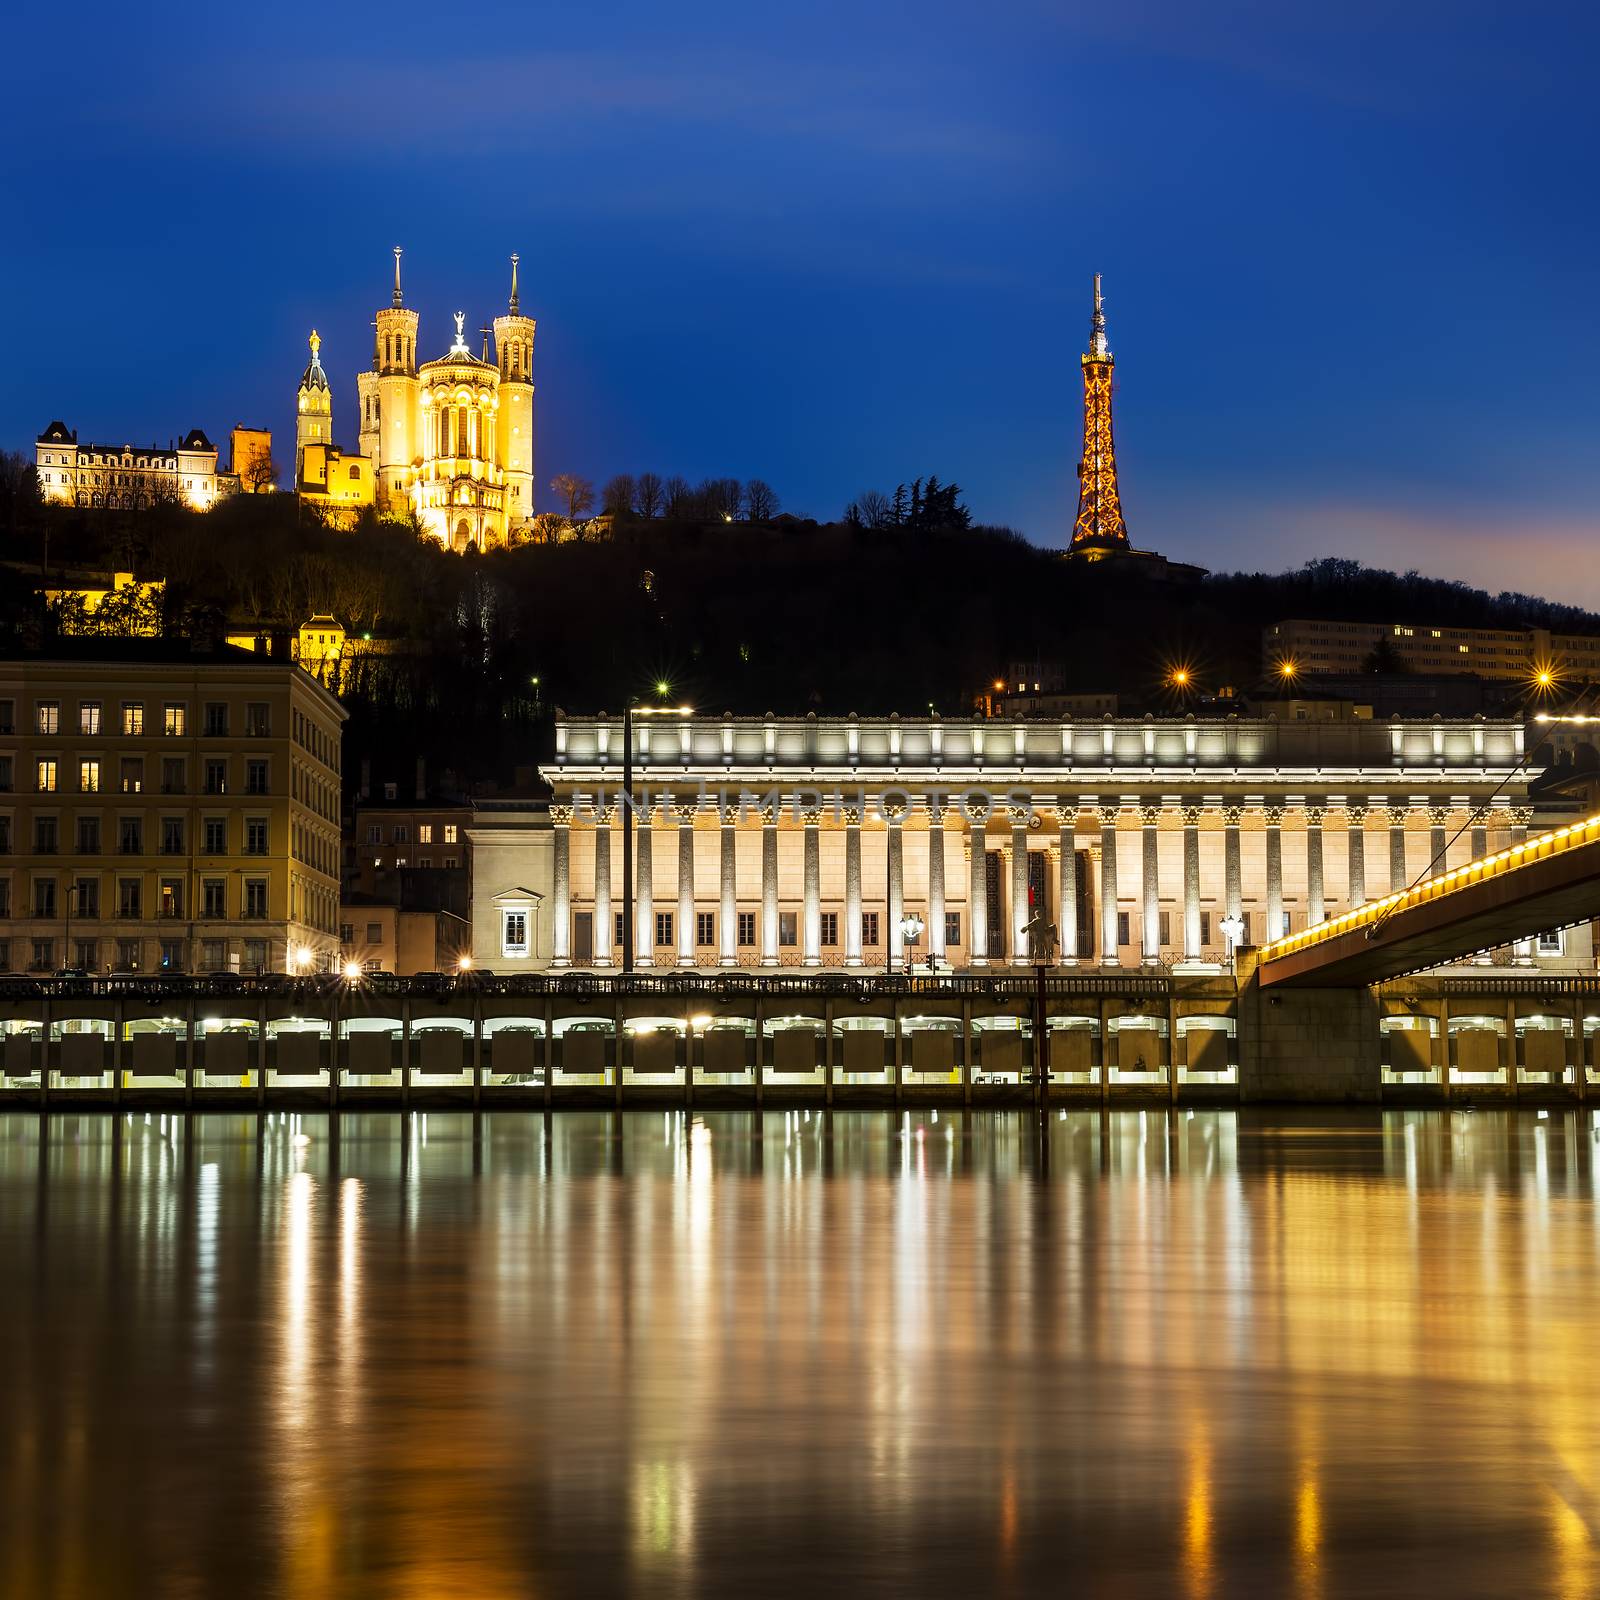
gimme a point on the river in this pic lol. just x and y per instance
(1190, 1354)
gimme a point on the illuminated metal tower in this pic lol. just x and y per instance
(1099, 528)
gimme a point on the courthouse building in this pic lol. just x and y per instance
(864, 843)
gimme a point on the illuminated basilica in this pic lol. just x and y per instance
(448, 440)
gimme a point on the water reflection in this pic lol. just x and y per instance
(1140, 1353)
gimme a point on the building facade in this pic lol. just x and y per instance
(450, 441)
(162, 809)
(1310, 647)
(130, 477)
(916, 842)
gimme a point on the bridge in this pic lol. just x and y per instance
(1551, 881)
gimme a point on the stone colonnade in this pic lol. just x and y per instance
(1067, 830)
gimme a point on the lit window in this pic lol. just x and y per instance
(46, 783)
(89, 717)
(514, 933)
(133, 718)
(48, 716)
(449, 833)
(89, 777)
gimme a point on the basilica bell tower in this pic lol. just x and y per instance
(513, 346)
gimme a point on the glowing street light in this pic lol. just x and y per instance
(352, 972)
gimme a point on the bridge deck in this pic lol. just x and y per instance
(1548, 882)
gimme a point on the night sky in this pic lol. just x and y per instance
(1350, 251)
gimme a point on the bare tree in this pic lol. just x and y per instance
(550, 527)
(616, 499)
(577, 492)
(678, 497)
(721, 498)
(647, 494)
(870, 509)
(760, 500)
(260, 473)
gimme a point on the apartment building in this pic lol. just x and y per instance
(167, 808)
(1313, 647)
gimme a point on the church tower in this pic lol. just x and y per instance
(397, 394)
(313, 423)
(513, 344)
(1099, 529)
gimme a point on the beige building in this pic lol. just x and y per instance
(1302, 647)
(882, 843)
(163, 808)
(129, 477)
(384, 938)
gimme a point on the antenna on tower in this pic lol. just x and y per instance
(1097, 328)
(514, 259)
(399, 302)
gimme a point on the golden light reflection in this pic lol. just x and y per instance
(1198, 1564)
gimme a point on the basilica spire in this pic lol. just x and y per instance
(1098, 528)
(398, 300)
(514, 303)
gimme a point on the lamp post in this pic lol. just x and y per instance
(1041, 934)
(1232, 934)
(631, 710)
(911, 926)
(67, 962)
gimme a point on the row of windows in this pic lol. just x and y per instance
(172, 833)
(128, 955)
(449, 863)
(514, 929)
(401, 833)
(174, 718)
(313, 738)
(93, 775)
(80, 899)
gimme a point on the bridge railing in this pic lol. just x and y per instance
(1557, 842)
(1145, 983)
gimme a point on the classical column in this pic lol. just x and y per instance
(728, 914)
(1067, 905)
(936, 952)
(769, 886)
(1150, 872)
(561, 928)
(1192, 949)
(1315, 908)
(1480, 834)
(1438, 816)
(813, 890)
(894, 816)
(1397, 849)
(685, 813)
(1521, 816)
(1274, 816)
(604, 925)
(1020, 911)
(1110, 954)
(1232, 869)
(852, 887)
(978, 889)
(1355, 839)
(644, 906)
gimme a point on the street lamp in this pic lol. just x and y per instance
(629, 711)
(1232, 933)
(1041, 934)
(911, 926)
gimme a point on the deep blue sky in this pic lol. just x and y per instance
(1350, 251)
